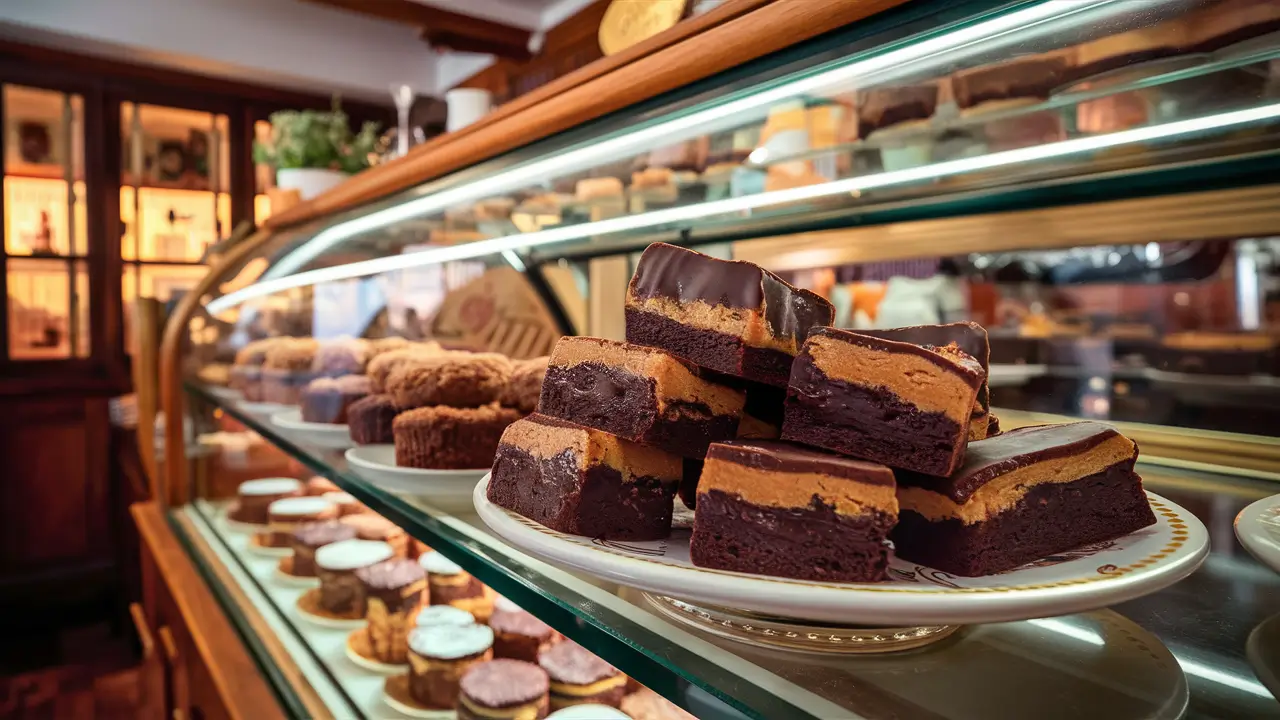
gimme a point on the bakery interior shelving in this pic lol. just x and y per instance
(1136, 282)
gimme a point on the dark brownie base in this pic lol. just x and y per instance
(710, 349)
(813, 543)
(625, 405)
(869, 423)
(596, 503)
(442, 594)
(1051, 518)
(689, 482)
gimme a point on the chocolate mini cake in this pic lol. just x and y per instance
(891, 402)
(583, 481)
(732, 317)
(503, 690)
(393, 591)
(449, 584)
(319, 485)
(341, 592)
(309, 538)
(969, 337)
(370, 526)
(286, 514)
(438, 658)
(459, 380)
(1025, 78)
(882, 108)
(770, 508)
(369, 420)
(640, 394)
(325, 400)
(347, 504)
(519, 635)
(433, 615)
(525, 387)
(578, 676)
(450, 438)
(255, 496)
(1021, 496)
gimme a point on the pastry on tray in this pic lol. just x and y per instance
(286, 514)
(503, 690)
(519, 635)
(450, 438)
(326, 399)
(439, 656)
(309, 538)
(578, 676)
(640, 394)
(771, 508)
(1021, 496)
(730, 316)
(890, 402)
(587, 482)
(341, 592)
(253, 497)
(371, 526)
(433, 615)
(393, 591)
(449, 584)
(969, 337)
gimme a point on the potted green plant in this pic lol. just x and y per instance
(312, 151)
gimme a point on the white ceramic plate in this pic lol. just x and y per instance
(371, 665)
(1086, 579)
(447, 489)
(289, 580)
(1258, 528)
(267, 551)
(325, 435)
(263, 408)
(417, 712)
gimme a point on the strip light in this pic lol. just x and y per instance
(729, 114)
(658, 218)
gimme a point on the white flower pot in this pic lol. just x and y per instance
(309, 182)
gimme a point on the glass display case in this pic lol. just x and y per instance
(1091, 182)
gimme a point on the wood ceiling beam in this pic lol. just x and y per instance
(438, 23)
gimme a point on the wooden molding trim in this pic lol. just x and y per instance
(171, 487)
(734, 33)
(233, 671)
(1240, 212)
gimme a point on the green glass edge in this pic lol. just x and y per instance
(653, 660)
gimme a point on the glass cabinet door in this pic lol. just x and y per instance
(45, 227)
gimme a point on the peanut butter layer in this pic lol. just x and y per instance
(589, 689)
(755, 473)
(747, 325)
(999, 471)
(932, 381)
(527, 711)
(545, 437)
(675, 380)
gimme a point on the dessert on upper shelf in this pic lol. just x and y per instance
(503, 690)
(969, 337)
(287, 369)
(1021, 496)
(443, 437)
(326, 399)
(253, 497)
(519, 635)
(730, 316)
(341, 593)
(458, 379)
(578, 676)
(640, 394)
(890, 402)
(286, 514)
(246, 373)
(771, 508)
(525, 386)
(393, 592)
(583, 481)
(382, 365)
(369, 420)
(340, 356)
(449, 584)
(309, 538)
(439, 656)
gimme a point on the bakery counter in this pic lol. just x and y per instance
(1181, 648)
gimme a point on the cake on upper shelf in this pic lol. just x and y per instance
(730, 316)
(969, 337)
(640, 394)
(1021, 496)
(891, 402)
(583, 481)
(771, 508)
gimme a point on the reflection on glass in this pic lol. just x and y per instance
(48, 315)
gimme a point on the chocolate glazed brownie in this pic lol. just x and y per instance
(770, 508)
(640, 394)
(730, 316)
(584, 482)
(1021, 496)
(969, 337)
(891, 402)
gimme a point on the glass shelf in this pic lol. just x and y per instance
(1152, 657)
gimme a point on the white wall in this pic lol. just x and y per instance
(280, 42)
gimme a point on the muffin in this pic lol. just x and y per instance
(525, 386)
(369, 420)
(578, 676)
(287, 370)
(519, 635)
(384, 364)
(326, 400)
(310, 537)
(438, 658)
(450, 438)
(369, 526)
(342, 356)
(503, 690)
(246, 373)
(459, 380)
